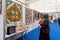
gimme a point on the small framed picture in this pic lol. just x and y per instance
(11, 30)
(0, 6)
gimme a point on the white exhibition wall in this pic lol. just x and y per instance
(1, 27)
(2, 21)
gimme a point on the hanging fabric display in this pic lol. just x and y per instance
(13, 12)
(28, 15)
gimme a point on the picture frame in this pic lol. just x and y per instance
(13, 12)
(28, 16)
(11, 30)
(40, 15)
(35, 15)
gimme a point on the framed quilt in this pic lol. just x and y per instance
(13, 12)
(40, 15)
(28, 16)
(35, 15)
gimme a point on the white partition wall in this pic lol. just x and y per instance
(2, 21)
(1, 27)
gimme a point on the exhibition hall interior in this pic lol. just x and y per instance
(30, 19)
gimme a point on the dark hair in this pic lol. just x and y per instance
(46, 16)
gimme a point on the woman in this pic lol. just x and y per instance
(44, 29)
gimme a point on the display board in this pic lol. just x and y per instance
(15, 13)
(13, 16)
(28, 15)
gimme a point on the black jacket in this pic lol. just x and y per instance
(45, 26)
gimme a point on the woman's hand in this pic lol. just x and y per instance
(40, 27)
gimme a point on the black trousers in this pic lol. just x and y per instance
(59, 22)
(44, 36)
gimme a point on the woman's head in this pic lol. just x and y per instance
(46, 16)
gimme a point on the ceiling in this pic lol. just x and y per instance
(46, 6)
(43, 5)
(27, 1)
(30, 1)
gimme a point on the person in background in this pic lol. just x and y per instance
(59, 20)
(44, 28)
(54, 18)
